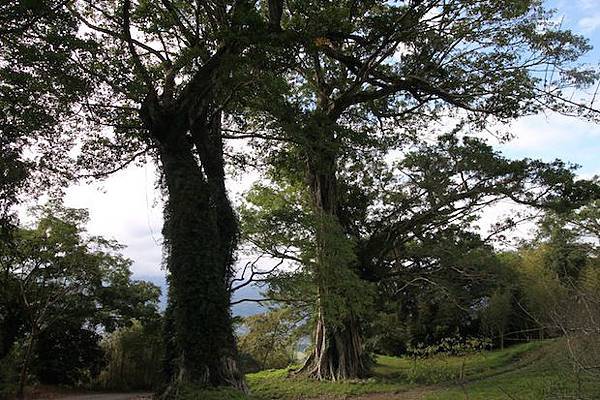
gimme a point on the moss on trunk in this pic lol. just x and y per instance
(338, 351)
(199, 246)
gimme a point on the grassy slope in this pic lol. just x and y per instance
(542, 373)
(523, 372)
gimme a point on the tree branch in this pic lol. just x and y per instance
(132, 50)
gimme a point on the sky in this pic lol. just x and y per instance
(553, 136)
(126, 207)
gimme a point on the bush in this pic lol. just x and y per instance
(69, 355)
(134, 358)
(578, 320)
(9, 371)
(433, 366)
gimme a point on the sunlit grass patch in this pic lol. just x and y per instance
(281, 384)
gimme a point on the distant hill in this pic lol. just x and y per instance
(241, 310)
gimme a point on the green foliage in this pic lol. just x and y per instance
(444, 278)
(343, 295)
(531, 371)
(450, 279)
(575, 319)
(278, 384)
(344, 110)
(60, 287)
(280, 221)
(542, 289)
(541, 374)
(68, 355)
(388, 334)
(394, 375)
(133, 357)
(68, 275)
(39, 87)
(451, 347)
(590, 278)
(277, 217)
(356, 81)
(495, 318)
(271, 339)
(9, 370)
(564, 255)
(586, 220)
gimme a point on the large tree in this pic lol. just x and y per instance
(163, 72)
(372, 73)
(157, 77)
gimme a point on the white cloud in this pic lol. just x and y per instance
(587, 4)
(122, 208)
(556, 136)
(127, 207)
(590, 23)
(539, 132)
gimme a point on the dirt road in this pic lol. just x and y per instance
(413, 394)
(105, 396)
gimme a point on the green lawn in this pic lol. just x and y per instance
(531, 371)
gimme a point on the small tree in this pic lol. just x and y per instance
(497, 314)
(271, 338)
(574, 257)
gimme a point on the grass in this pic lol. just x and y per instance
(444, 369)
(541, 374)
(276, 384)
(525, 372)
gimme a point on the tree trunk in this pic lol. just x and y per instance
(338, 351)
(25, 367)
(209, 147)
(199, 257)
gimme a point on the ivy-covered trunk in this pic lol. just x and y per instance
(199, 242)
(338, 351)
